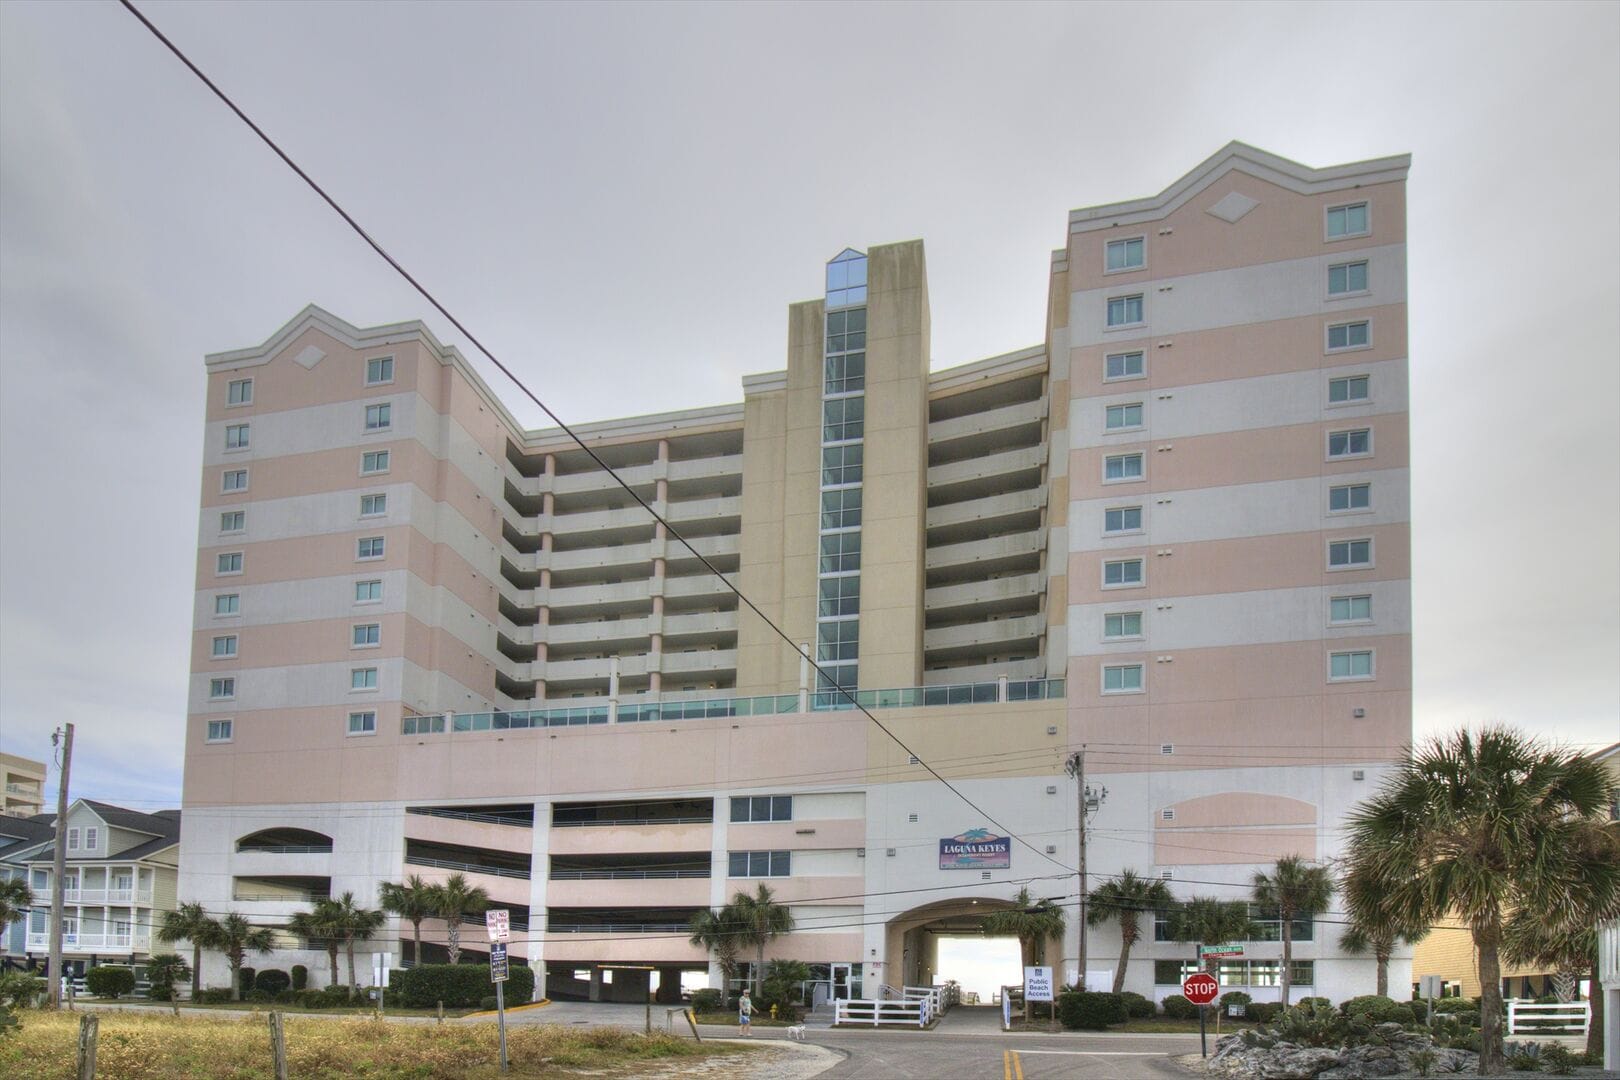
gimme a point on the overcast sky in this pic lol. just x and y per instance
(621, 200)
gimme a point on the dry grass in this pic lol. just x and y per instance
(138, 1047)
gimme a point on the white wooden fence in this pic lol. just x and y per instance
(917, 1012)
(1558, 1018)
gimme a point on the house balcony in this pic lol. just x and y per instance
(105, 942)
(107, 896)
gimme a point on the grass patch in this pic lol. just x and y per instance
(357, 1009)
(137, 1046)
(729, 1019)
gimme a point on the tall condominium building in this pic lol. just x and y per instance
(1173, 535)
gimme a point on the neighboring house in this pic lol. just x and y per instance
(24, 786)
(1449, 950)
(20, 839)
(122, 867)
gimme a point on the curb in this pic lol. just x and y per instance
(531, 1006)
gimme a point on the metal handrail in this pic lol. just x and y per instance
(616, 875)
(471, 868)
(286, 849)
(467, 815)
(620, 928)
(635, 821)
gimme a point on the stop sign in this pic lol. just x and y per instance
(1200, 988)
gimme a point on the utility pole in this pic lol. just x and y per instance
(59, 864)
(1087, 803)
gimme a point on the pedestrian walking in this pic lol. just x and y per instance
(745, 1016)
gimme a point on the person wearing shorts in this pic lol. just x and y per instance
(745, 1013)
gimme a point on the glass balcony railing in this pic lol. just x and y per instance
(910, 697)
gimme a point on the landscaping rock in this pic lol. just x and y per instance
(1390, 1055)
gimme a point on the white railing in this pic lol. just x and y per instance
(82, 942)
(915, 1013)
(933, 995)
(106, 896)
(1556, 1018)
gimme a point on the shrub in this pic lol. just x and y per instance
(259, 997)
(1523, 1063)
(1455, 1005)
(315, 999)
(1263, 1012)
(1423, 1061)
(18, 989)
(488, 1004)
(1235, 997)
(287, 997)
(1559, 1059)
(1138, 1007)
(1315, 1004)
(246, 978)
(1084, 1010)
(1177, 1007)
(216, 995)
(300, 977)
(272, 981)
(708, 1000)
(109, 981)
(459, 986)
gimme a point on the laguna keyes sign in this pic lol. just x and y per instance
(976, 849)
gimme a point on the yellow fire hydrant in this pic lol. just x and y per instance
(773, 1012)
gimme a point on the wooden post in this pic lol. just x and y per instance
(89, 1026)
(278, 1046)
(441, 1012)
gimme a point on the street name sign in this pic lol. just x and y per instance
(1220, 950)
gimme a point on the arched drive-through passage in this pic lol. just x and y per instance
(913, 940)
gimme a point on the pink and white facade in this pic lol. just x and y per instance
(1175, 534)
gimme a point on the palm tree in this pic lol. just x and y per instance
(412, 901)
(162, 972)
(1485, 824)
(354, 923)
(189, 922)
(454, 899)
(715, 934)
(234, 936)
(1205, 920)
(15, 900)
(321, 928)
(758, 920)
(1373, 927)
(1032, 922)
(1126, 898)
(1293, 888)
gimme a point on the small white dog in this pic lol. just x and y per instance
(796, 1032)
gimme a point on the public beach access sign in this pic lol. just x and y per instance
(976, 849)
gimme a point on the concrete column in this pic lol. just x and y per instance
(804, 678)
(596, 983)
(1001, 688)
(717, 977)
(613, 690)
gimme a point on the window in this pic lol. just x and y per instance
(1348, 220)
(843, 419)
(219, 730)
(379, 369)
(840, 552)
(369, 547)
(1125, 310)
(379, 417)
(846, 331)
(373, 461)
(1120, 572)
(1126, 254)
(73, 842)
(1350, 335)
(841, 465)
(841, 509)
(366, 635)
(1345, 497)
(839, 596)
(1122, 678)
(1124, 624)
(227, 603)
(1124, 365)
(836, 641)
(1118, 417)
(92, 837)
(1349, 388)
(1344, 609)
(221, 689)
(1351, 665)
(846, 280)
(368, 592)
(239, 392)
(232, 521)
(1120, 519)
(234, 480)
(228, 562)
(1347, 278)
(363, 723)
(762, 808)
(373, 505)
(224, 647)
(1122, 467)
(236, 436)
(760, 864)
(363, 678)
(1347, 553)
(1356, 443)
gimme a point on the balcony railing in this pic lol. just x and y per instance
(633, 821)
(107, 896)
(83, 941)
(910, 697)
(470, 868)
(627, 875)
(463, 815)
(22, 789)
(620, 928)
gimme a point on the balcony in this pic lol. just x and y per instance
(107, 896)
(1028, 414)
(75, 942)
(1027, 628)
(989, 594)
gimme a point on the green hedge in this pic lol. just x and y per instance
(1086, 1010)
(272, 981)
(1138, 1007)
(109, 981)
(708, 1000)
(1263, 1012)
(1177, 1007)
(459, 986)
(300, 977)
